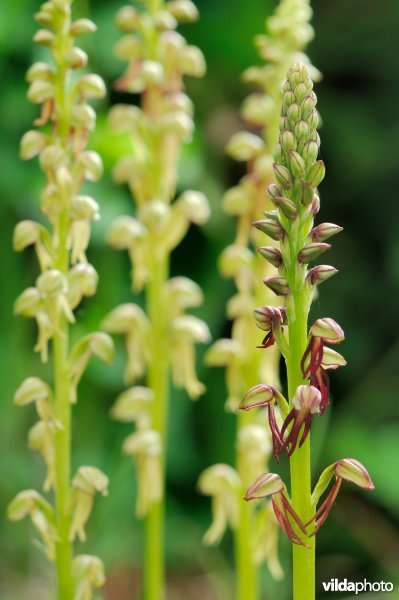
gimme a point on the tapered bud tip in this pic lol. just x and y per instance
(324, 231)
(272, 254)
(279, 285)
(352, 470)
(258, 395)
(320, 273)
(307, 397)
(328, 330)
(265, 485)
(312, 251)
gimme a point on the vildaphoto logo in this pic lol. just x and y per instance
(337, 585)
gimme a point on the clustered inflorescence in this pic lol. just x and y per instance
(291, 223)
(66, 277)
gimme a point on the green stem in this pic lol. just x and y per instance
(158, 381)
(303, 558)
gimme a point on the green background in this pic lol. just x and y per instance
(356, 47)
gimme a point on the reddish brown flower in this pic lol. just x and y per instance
(306, 403)
(270, 319)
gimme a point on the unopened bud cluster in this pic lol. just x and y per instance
(298, 172)
(158, 59)
(65, 278)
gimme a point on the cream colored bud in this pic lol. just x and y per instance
(28, 303)
(122, 318)
(39, 70)
(195, 206)
(85, 207)
(31, 390)
(223, 352)
(52, 158)
(263, 167)
(123, 118)
(88, 573)
(44, 37)
(126, 168)
(152, 72)
(76, 58)
(257, 109)
(244, 146)
(164, 21)
(90, 480)
(143, 442)
(129, 47)
(32, 143)
(83, 116)
(51, 283)
(236, 201)
(233, 259)
(191, 329)
(98, 344)
(124, 232)
(92, 165)
(133, 404)
(191, 61)
(179, 123)
(82, 282)
(128, 19)
(91, 86)
(184, 292)
(184, 11)
(239, 305)
(82, 26)
(181, 102)
(171, 42)
(39, 91)
(27, 233)
(45, 16)
(154, 214)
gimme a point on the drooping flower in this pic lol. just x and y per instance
(270, 319)
(306, 403)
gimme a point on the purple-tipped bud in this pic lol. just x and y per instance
(352, 470)
(315, 205)
(301, 92)
(324, 231)
(308, 105)
(307, 193)
(328, 330)
(316, 173)
(287, 206)
(272, 214)
(287, 141)
(320, 273)
(294, 113)
(278, 153)
(258, 395)
(273, 191)
(307, 397)
(310, 152)
(264, 317)
(279, 285)
(311, 252)
(272, 228)
(313, 120)
(283, 124)
(282, 175)
(288, 99)
(272, 254)
(265, 485)
(297, 164)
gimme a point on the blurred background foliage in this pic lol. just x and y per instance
(356, 47)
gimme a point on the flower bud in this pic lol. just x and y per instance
(282, 175)
(222, 353)
(274, 191)
(316, 173)
(128, 19)
(236, 201)
(256, 109)
(32, 143)
(288, 99)
(88, 572)
(307, 397)
(129, 47)
(52, 158)
(124, 232)
(82, 26)
(28, 303)
(353, 471)
(31, 389)
(90, 480)
(265, 485)
(320, 273)
(76, 58)
(294, 113)
(324, 231)
(122, 318)
(297, 164)
(84, 207)
(263, 167)
(92, 165)
(91, 86)
(191, 329)
(195, 206)
(233, 259)
(279, 285)
(39, 91)
(184, 292)
(272, 228)
(287, 206)
(302, 131)
(82, 281)
(287, 141)
(328, 330)
(307, 194)
(308, 105)
(184, 11)
(152, 72)
(258, 395)
(272, 254)
(310, 152)
(164, 21)
(133, 404)
(51, 283)
(312, 251)
(192, 62)
(39, 70)
(43, 37)
(244, 146)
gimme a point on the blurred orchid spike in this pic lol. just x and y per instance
(270, 484)
(322, 331)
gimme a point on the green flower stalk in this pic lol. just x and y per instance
(306, 351)
(256, 535)
(65, 279)
(160, 339)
